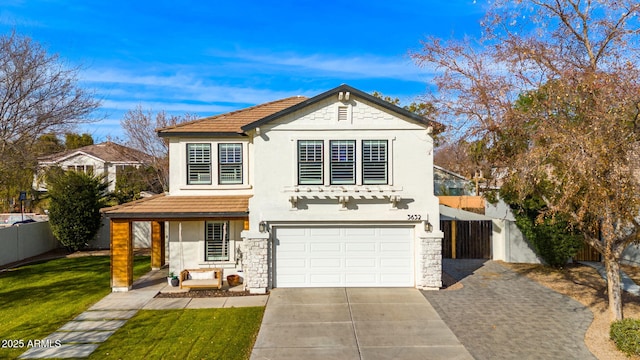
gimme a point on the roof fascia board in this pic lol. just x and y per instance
(75, 153)
(174, 215)
(194, 134)
(344, 88)
(451, 173)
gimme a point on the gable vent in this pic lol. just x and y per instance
(343, 113)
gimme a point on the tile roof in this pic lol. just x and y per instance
(106, 151)
(163, 206)
(233, 121)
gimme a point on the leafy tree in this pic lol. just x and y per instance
(38, 95)
(552, 236)
(550, 93)
(140, 129)
(48, 144)
(74, 208)
(134, 180)
(74, 141)
(424, 109)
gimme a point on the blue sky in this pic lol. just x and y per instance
(208, 57)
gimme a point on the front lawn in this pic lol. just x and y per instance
(36, 299)
(185, 334)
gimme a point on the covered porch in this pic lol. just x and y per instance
(159, 210)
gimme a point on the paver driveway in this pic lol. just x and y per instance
(499, 314)
(353, 323)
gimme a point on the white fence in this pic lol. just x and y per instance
(141, 231)
(23, 241)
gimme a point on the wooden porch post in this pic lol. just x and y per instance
(454, 227)
(121, 255)
(157, 245)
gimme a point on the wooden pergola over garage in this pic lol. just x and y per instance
(158, 210)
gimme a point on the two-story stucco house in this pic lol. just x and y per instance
(106, 158)
(330, 191)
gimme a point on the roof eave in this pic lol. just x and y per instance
(344, 88)
(175, 215)
(196, 134)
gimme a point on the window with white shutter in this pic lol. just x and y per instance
(310, 162)
(342, 164)
(230, 163)
(216, 244)
(374, 162)
(199, 164)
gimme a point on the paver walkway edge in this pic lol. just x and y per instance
(81, 336)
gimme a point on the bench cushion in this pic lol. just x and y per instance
(200, 283)
(202, 275)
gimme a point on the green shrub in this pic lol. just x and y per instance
(626, 334)
(74, 210)
(552, 238)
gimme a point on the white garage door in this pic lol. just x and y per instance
(345, 256)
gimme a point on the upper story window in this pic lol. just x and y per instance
(230, 163)
(374, 162)
(310, 162)
(344, 167)
(343, 164)
(199, 164)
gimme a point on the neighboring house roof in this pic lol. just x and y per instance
(449, 172)
(229, 123)
(181, 207)
(237, 123)
(106, 151)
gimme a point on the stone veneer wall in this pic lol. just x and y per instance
(255, 264)
(430, 262)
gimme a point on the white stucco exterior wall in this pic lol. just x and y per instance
(410, 168)
(270, 176)
(187, 250)
(410, 164)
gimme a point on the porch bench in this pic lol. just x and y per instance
(201, 278)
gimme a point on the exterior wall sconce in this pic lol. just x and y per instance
(427, 226)
(263, 227)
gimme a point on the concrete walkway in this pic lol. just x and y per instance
(626, 283)
(82, 336)
(499, 314)
(353, 323)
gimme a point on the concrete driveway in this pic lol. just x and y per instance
(353, 323)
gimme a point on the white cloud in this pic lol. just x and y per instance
(173, 107)
(352, 67)
(181, 86)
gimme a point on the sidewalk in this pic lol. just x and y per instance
(626, 283)
(82, 335)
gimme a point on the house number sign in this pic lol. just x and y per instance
(414, 217)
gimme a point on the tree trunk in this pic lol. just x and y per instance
(613, 287)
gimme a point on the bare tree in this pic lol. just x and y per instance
(38, 95)
(551, 93)
(140, 130)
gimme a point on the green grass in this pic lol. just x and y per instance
(185, 334)
(37, 299)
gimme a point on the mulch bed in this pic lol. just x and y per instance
(205, 293)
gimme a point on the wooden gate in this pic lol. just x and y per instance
(587, 253)
(466, 239)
